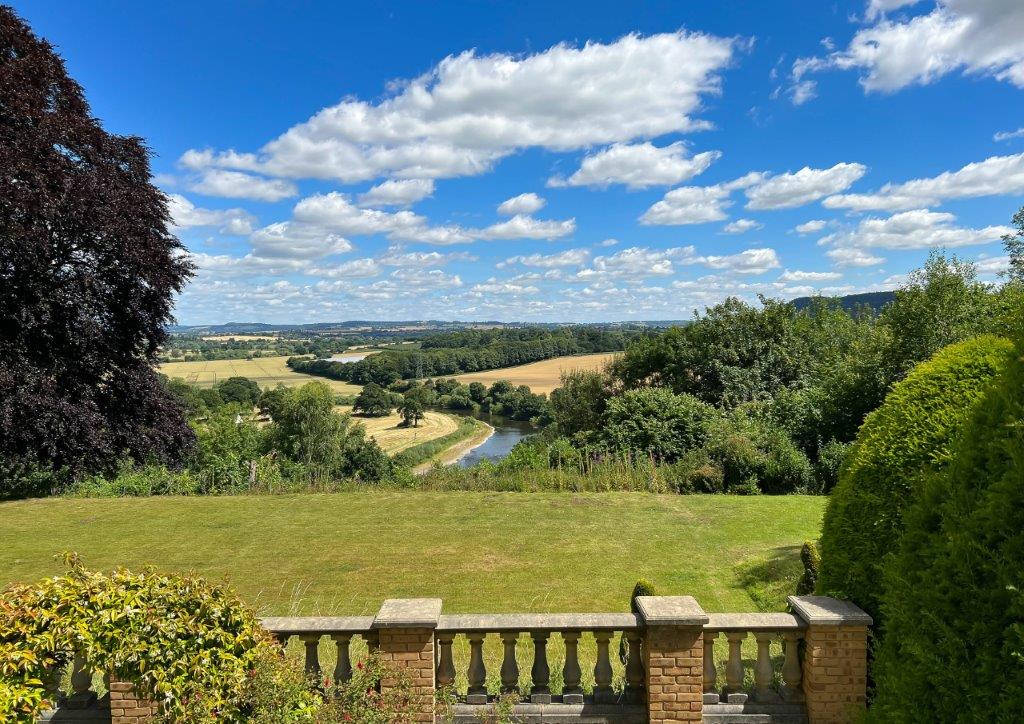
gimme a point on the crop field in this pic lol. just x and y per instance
(540, 376)
(267, 371)
(394, 439)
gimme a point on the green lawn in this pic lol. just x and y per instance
(480, 552)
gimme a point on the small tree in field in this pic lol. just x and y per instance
(88, 273)
(374, 401)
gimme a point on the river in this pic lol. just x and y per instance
(506, 434)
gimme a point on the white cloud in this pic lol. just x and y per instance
(877, 8)
(843, 256)
(750, 261)
(977, 37)
(471, 110)
(529, 203)
(398, 192)
(395, 256)
(355, 269)
(248, 266)
(741, 226)
(689, 205)
(638, 166)
(810, 227)
(334, 211)
(1008, 135)
(238, 185)
(609, 242)
(789, 190)
(993, 265)
(808, 276)
(527, 227)
(569, 257)
(493, 286)
(186, 215)
(301, 241)
(917, 229)
(637, 263)
(997, 175)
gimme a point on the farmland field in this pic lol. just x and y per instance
(267, 371)
(394, 439)
(540, 376)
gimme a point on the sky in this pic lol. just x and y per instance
(570, 161)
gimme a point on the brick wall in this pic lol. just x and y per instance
(674, 664)
(835, 673)
(411, 650)
(127, 708)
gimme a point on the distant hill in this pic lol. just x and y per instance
(875, 300)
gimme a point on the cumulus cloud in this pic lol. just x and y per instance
(741, 226)
(395, 256)
(638, 166)
(917, 229)
(696, 204)
(976, 37)
(238, 185)
(845, 256)
(300, 241)
(521, 226)
(493, 286)
(186, 215)
(354, 269)
(808, 276)
(637, 263)
(810, 227)
(398, 192)
(569, 257)
(997, 175)
(529, 203)
(750, 261)
(789, 190)
(469, 111)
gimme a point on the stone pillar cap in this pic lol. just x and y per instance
(826, 611)
(670, 611)
(408, 613)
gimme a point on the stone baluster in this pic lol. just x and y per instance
(634, 667)
(82, 696)
(477, 693)
(343, 667)
(509, 665)
(734, 668)
(445, 662)
(372, 639)
(572, 692)
(603, 669)
(312, 642)
(791, 674)
(710, 670)
(763, 668)
(540, 673)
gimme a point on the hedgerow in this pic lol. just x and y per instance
(953, 646)
(910, 434)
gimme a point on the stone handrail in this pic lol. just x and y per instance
(671, 672)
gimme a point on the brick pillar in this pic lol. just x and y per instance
(835, 658)
(405, 629)
(673, 654)
(126, 707)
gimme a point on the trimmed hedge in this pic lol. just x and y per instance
(953, 648)
(908, 435)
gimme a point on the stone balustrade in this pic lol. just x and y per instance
(681, 664)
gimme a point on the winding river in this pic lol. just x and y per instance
(506, 434)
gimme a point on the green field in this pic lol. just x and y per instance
(484, 552)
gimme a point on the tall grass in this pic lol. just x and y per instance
(422, 452)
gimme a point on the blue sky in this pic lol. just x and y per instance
(558, 161)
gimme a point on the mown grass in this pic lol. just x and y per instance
(481, 552)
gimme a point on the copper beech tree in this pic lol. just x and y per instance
(88, 273)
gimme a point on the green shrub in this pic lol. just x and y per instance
(643, 587)
(909, 434)
(654, 421)
(755, 457)
(953, 648)
(696, 472)
(810, 556)
(830, 461)
(187, 644)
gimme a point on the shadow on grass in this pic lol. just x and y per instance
(768, 580)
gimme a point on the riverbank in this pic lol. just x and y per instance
(456, 452)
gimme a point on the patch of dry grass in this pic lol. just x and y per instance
(543, 376)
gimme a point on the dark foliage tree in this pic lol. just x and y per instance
(239, 389)
(88, 271)
(374, 401)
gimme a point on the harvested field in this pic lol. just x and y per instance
(540, 376)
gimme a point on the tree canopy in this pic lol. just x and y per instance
(88, 274)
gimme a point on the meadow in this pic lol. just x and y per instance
(543, 376)
(267, 371)
(394, 439)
